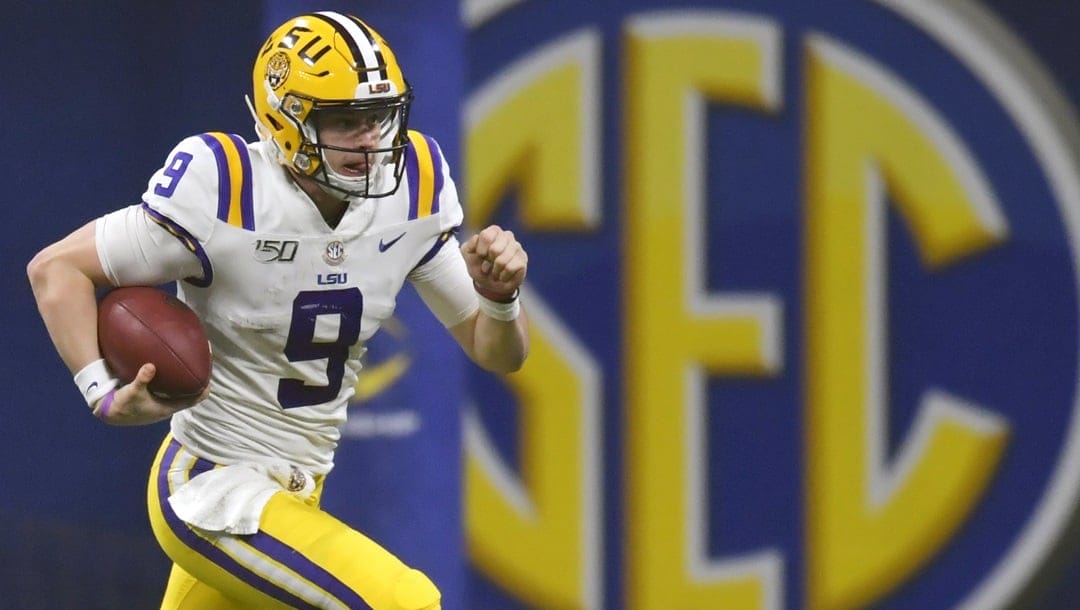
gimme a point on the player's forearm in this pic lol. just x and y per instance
(501, 347)
(65, 299)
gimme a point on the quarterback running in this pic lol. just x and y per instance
(292, 250)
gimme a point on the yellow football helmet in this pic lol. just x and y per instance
(331, 61)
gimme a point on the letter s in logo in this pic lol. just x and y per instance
(853, 383)
(331, 279)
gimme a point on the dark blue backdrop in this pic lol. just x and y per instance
(97, 93)
(102, 91)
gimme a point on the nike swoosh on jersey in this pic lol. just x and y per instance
(385, 245)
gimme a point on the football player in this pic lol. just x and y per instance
(292, 250)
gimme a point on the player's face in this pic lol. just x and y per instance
(355, 131)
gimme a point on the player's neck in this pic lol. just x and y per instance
(331, 207)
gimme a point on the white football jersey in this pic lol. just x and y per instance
(288, 301)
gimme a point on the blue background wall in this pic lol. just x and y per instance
(105, 90)
(100, 93)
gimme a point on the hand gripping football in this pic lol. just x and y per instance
(140, 324)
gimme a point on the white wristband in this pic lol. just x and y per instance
(504, 312)
(95, 381)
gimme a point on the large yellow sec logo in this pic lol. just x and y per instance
(833, 363)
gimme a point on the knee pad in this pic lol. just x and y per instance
(415, 591)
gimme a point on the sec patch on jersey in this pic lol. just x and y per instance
(141, 324)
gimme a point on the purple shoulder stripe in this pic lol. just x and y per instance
(224, 185)
(437, 168)
(412, 172)
(260, 542)
(235, 191)
(247, 200)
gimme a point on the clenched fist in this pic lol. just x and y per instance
(496, 262)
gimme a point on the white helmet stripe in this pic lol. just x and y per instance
(369, 54)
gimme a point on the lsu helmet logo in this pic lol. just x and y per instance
(277, 70)
(852, 381)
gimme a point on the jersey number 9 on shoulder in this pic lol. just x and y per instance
(173, 171)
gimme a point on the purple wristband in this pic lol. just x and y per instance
(102, 412)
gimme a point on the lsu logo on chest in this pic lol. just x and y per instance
(852, 379)
(332, 279)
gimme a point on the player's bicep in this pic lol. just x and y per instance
(445, 286)
(134, 249)
(76, 251)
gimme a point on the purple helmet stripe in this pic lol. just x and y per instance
(351, 42)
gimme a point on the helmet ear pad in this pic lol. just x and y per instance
(297, 136)
(282, 124)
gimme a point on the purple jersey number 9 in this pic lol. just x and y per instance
(301, 345)
(173, 171)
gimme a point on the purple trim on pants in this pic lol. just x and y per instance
(260, 541)
(203, 546)
(311, 571)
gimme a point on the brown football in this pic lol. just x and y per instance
(140, 324)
